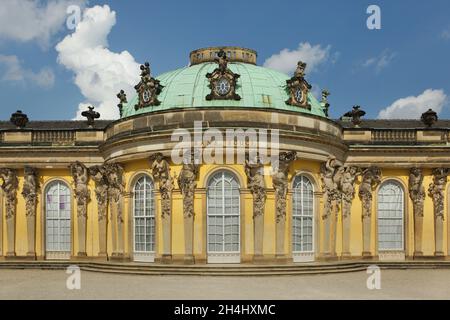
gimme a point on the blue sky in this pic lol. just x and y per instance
(407, 57)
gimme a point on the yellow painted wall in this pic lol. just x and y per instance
(135, 168)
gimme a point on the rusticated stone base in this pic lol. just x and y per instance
(188, 259)
(263, 259)
(367, 255)
(328, 257)
(282, 259)
(119, 257)
(165, 259)
(31, 255)
(346, 255)
(10, 255)
(21, 258)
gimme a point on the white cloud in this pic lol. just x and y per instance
(445, 34)
(286, 60)
(14, 72)
(99, 73)
(28, 20)
(381, 61)
(412, 107)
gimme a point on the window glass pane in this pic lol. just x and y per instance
(57, 217)
(144, 215)
(302, 215)
(390, 216)
(223, 210)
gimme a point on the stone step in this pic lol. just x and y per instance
(224, 270)
(226, 273)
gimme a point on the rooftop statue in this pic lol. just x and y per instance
(298, 88)
(356, 115)
(148, 89)
(300, 71)
(123, 100)
(91, 115)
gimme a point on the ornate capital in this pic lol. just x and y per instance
(98, 174)
(187, 184)
(416, 190)
(80, 175)
(371, 178)
(436, 190)
(331, 175)
(161, 173)
(9, 187)
(116, 185)
(255, 181)
(280, 182)
(347, 187)
(30, 190)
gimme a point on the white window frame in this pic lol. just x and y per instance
(144, 256)
(402, 205)
(306, 255)
(224, 256)
(58, 254)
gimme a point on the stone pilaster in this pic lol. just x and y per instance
(349, 177)
(1, 223)
(256, 185)
(187, 184)
(331, 176)
(30, 195)
(371, 177)
(80, 175)
(280, 184)
(161, 173)
(417, 195)
(98, 174)
(436, 190)
(116, 189)
(9, 187)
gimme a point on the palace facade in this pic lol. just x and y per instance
(341, 189)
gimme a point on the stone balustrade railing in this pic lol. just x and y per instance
(53, 136)
(387, 135)
(396, 136)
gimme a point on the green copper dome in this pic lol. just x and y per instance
(257, 86)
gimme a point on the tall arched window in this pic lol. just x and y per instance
(390, 215)
(144, 220)
(223, 235)
(302, 219)
(58, 214)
